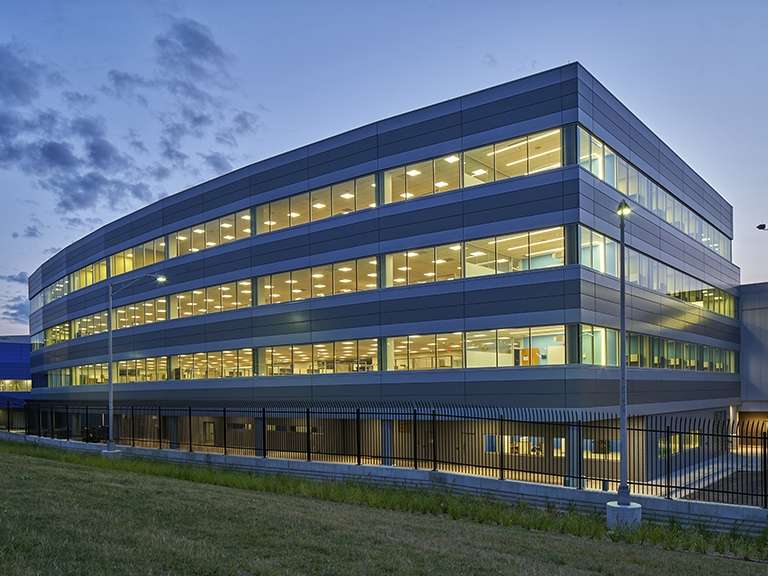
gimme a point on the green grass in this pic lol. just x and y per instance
(68, 513)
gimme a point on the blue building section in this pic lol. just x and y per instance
(15, 375)
(465, 252)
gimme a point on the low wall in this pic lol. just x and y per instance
(712, 516)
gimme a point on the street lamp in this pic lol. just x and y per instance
(761, 226)
(160, 279)
(622, 513)
(623, 210)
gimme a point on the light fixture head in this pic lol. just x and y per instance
(761, 226)
(623, 209)
(161, 279)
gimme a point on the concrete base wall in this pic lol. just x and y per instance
(715, 517)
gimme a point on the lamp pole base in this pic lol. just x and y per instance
(623, 516)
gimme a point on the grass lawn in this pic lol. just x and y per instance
(60, 517)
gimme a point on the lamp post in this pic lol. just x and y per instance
(160, 279)
(622, 513)
(623, 211)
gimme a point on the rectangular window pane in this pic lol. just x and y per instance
(394, 185)
(243, 224)
(422, 352)
(367, 273)
(544, 151)
(343, 198)
(421, 265)
(345, 356)
(279, 214)
(281, 287)
(365, 192)
(512, 252)
(302, 359)
(322, 281)
(368, 355)
(212, 233)
(243, 294)
(300, 284)
(299, 213)
(479, 258)
(397, 353)
(478, 166)
(448, 173)
(448, 262)
(227, 228)
(198, 238)
(514, 347)
(548, 345)
(547, 248)
(229, 296)
(481, 349)
(419, 180)
(450, 350)
(263, 220)
(511, 158)
(323, 358)
(320, 200)
(344, 277)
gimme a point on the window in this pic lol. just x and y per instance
(481, 349)
(599, 346)
(605, 164)
(319, 281)
(319, 358)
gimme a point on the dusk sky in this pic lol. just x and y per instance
(106, 106)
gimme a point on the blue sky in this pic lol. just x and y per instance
(106, 106)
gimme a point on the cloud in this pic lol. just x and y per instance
(20, 77)
(87, 190)
(52, 250)
(188, 50)
(15, 309)
(20, 278)
(77, 222)
(31, 231)
(490, 60)
(217, 162)
(128, 86)
(78, 100)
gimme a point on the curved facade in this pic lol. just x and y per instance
(464, 252)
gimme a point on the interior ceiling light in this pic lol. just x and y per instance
(413, 172)
(452, 159)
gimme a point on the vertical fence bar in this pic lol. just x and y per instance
(434, 440)
(189, 426)
(159, 427)
(358, 439)
(765, 469)
(501, 447)
(415, 443)
(133, 429)
(224, 411)
(66, 415)
(40, 422)
(255, 435)
(668, 481)
(8, 416)
(264, 432)
(579, 451)
(309, 437)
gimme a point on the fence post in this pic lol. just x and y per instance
(264, 432)
(8, 416)
(133, 429)
(40, 422)
(501, 447)
(668, 442)
(765, 469)
(357, 436)
(86, 423)
(309, 438)
(415, 443)
(189, 425)
(255, 436)
(434, 440)
(159, 427)
(66, 416)
(580, 457)
(225, 430)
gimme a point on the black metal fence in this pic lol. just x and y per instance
(683, 458)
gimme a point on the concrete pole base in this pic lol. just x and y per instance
(114, 453)
(618, 516)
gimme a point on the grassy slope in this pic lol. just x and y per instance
(64, 518)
